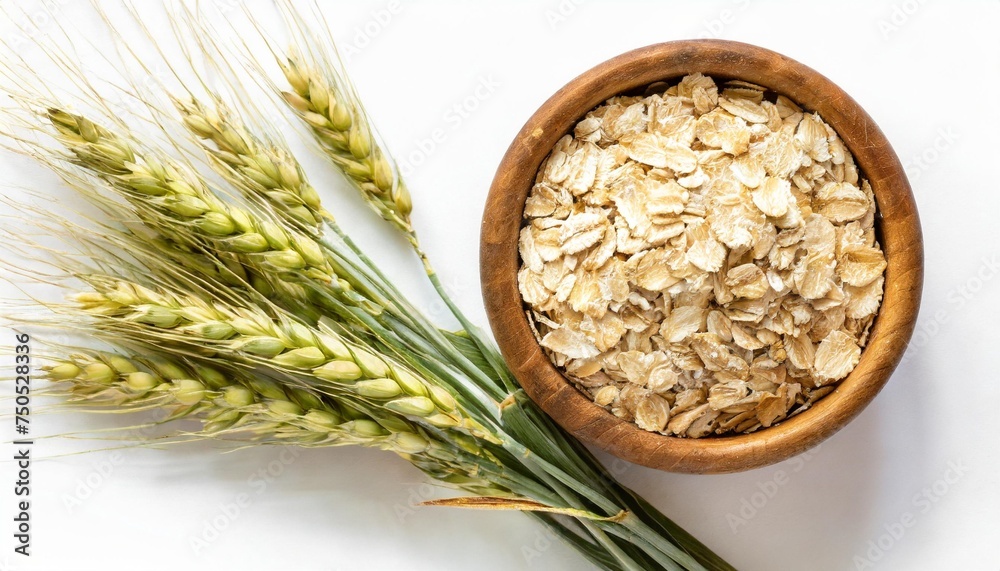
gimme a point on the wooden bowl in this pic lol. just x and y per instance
(897, 225)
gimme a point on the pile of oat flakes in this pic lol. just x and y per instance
(702, 260)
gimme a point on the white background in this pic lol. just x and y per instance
(929, 74)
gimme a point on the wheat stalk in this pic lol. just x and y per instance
(282, 344)
(161, 185)
(256, 167)
(233, 405)
(327, 103)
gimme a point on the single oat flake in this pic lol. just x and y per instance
(702, 260)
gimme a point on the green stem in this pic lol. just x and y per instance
(587, 549)
(634, 524)
(415, 316)
(662, 559)
(666, 527)
(485, 347)
(627, 562)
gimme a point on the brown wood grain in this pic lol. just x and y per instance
(898, 225)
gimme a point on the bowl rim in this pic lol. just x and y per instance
(557, 396)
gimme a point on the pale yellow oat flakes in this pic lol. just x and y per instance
(702, 260)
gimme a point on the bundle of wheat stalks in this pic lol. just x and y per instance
(237, 301)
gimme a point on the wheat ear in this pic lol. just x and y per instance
(158, 184)
(330, 108)
(252, 165)
(232, 404)
(281, 344)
